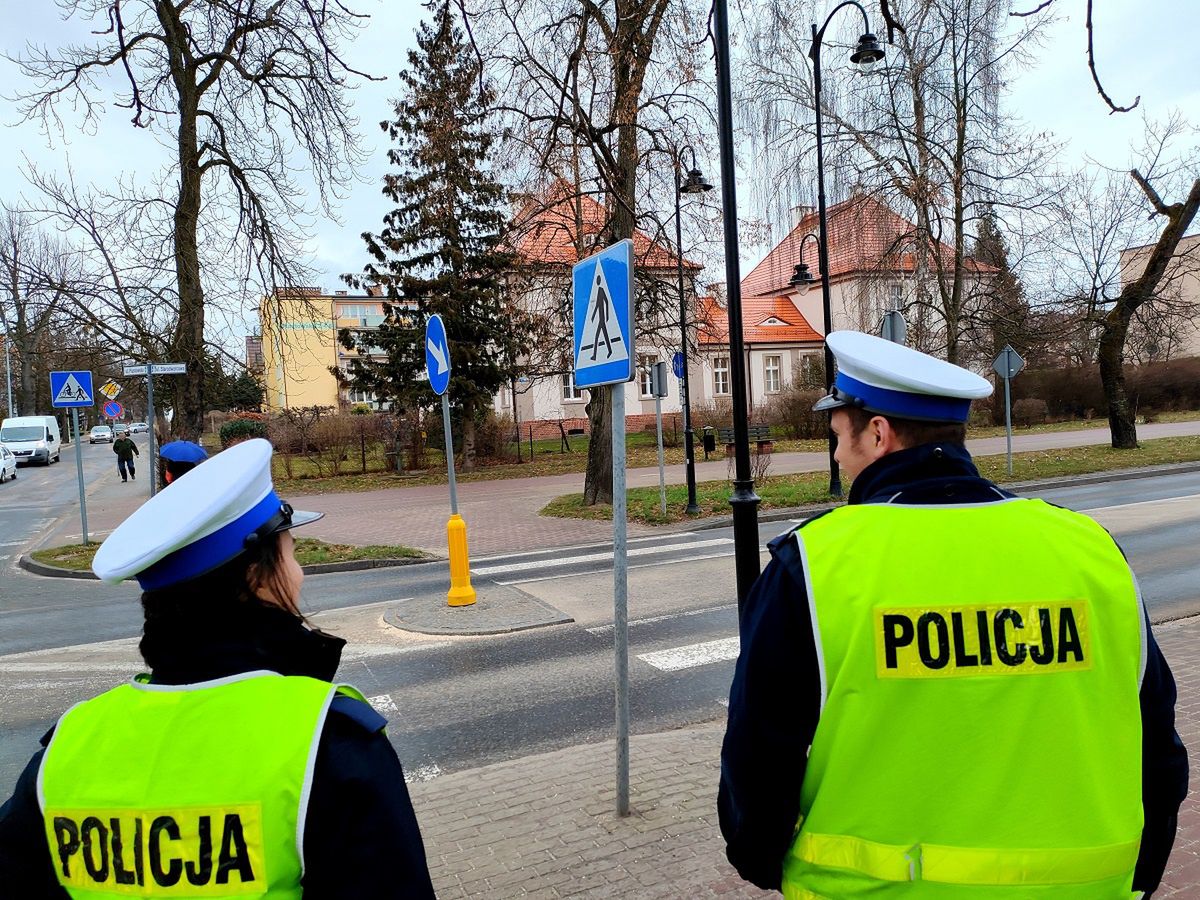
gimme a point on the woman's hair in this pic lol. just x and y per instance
(910, 432)
(227, 587)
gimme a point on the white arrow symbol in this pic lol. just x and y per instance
(438, 354)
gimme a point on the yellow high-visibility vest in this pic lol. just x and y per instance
(980, 730)
(194, 790)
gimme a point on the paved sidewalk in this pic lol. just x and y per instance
(544, 826)
(502, 515)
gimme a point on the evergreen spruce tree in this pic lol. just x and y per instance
(1006, 315)
(441, 247)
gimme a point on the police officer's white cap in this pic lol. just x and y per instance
(887, 378)
(210, 515)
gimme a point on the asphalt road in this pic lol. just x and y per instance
(457, 703)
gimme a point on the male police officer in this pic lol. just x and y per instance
(944, 691)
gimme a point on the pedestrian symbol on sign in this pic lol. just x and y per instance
(601, 326)
(72, 392)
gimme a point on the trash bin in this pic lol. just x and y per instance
(710, 441)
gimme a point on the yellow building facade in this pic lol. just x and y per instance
(300, 346)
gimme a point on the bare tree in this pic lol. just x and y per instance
(925, 134)
(1106, 212)
(237, 88)
(35, 270)
(588, 92)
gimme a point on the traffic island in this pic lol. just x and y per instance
(498, 609)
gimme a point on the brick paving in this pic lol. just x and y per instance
(545, 827)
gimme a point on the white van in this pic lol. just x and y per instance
(32, 439)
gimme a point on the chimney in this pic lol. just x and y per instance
(339, 293)
(797, 215)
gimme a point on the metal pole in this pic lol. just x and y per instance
(449, 455)
(620, 598)
(743, 499)
(1008, 417)
(153, 424)
(79, 472)
(8, 373)
(835, 480)
(689, 442)
(662, 481)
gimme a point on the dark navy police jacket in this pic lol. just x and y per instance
(361, 838)
(774, 702)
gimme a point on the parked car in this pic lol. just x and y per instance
(8, 464)
(32, 438)
(138, 428)
(121, 430)
(101, 434)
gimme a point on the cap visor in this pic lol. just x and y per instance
(828, 402)
(301, 517)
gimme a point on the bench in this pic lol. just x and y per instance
(760, 434)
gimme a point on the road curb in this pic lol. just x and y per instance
(34, 567)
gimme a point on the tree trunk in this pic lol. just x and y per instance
(188, 342)
(1112, 376)
(597, 482)
(468, 450)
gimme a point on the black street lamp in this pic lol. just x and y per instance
(802, 279)
(693, 183)
(743, 499)
(866, 55)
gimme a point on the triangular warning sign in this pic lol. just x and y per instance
(72, 392)
(602, 340)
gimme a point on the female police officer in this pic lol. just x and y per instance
(235, 767)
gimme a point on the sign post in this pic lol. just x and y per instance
(72, 390)
(604, 355)
(437, 366)
(150, 370)
(1007, 365)
(658, 387)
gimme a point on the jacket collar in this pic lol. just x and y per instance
(250, 637)
(915, 469)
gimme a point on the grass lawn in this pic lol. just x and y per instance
(308, 551)
(786, 491)
(550, 459)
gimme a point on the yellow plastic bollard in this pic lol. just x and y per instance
(461, 593)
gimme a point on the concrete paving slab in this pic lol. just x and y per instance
(498, 609)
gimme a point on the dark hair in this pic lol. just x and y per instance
(172, 467)
(224, 590)
(911, 432)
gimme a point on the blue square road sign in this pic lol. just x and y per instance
(604, 323)
(71, 389)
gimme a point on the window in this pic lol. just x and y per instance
(357, 310)
(897, 296)
(772, 366)
(645, 364)
(569, 391)
(358, 395)
(720, 366)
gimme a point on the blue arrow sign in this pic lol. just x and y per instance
(603, 307)
(677, 364)
(437, 355)
(71, 389)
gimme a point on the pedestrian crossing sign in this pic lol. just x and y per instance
(68, 389)
(604, 321)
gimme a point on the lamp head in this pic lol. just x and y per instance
(802, 279)
(867, 53)
(695, 183)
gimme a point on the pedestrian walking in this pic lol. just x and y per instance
(126, 450)
(235, 766)
(177, 458)
(944, 690)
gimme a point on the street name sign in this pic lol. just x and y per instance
(603, 316)
(71, 389)
(157, 369)
(437, 354)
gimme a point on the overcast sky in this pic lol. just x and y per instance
(1143, 47)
